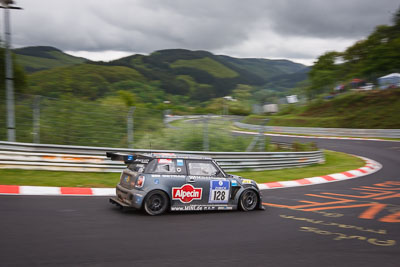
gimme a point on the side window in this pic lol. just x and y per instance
(165, 166)
(205, 168)
(169, 166)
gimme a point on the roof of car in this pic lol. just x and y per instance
(129, 158)
(174, 156)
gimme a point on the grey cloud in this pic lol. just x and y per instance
(148, 25)
(339, 18)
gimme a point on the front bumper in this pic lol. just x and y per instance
(260, 203)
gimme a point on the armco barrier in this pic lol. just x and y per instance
(385, 133)
(92, 159)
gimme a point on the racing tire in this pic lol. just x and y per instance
(248, 200)
(156, 202)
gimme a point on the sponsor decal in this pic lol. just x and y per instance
(179, 162)
(225, 208)
(193, 207)
(165, 161)
(219, 191)
(156, 181)
(234, 183)
(130, 157)
(198, 177)
(186, 193)
(138, 199)
(246, 181)
(126, 178)
(141, 161)
(173, 176)
(200, 207)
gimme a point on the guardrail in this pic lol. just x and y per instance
(92, 159)
(386, 133)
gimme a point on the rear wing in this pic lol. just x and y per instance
(128, 158)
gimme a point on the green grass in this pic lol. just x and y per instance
(235, 128)
(58, 178)
(207, 64)
(335, 162)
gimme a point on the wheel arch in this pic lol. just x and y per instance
(244, 188)
(164, 189)
(160, 190)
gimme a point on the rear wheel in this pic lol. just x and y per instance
(248, 200)
(156, 202)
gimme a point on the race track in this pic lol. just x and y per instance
(349, 223)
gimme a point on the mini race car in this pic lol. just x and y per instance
(159, 182)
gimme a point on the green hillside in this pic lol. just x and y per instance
(36, 58)
(85, 80)
(208, 65)
(377, 109)
(264, 68)
(197, 75)
(287, 81)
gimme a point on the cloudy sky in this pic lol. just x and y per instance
(299, 30)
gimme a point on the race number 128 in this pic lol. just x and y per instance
(219, 195)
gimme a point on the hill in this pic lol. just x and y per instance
(284, 81)
(36, 58)
(376, 109)
(197, 75)
(265, 68)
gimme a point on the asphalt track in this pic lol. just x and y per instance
(349, 223)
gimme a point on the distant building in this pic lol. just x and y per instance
(229, 98)
(291, 99)
(390, 80)
(270, 108)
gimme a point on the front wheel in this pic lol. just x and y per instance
(156, 203)
(248, 200)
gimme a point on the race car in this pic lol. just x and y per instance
(160, 182)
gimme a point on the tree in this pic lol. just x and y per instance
(323, 74)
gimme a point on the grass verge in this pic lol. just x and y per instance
(335, 162)
(235, 128)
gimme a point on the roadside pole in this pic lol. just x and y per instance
(206, 146)
(11, 135)
(259, 137)
(36, 120)
(130, 126)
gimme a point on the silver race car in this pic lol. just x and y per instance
(159, 182)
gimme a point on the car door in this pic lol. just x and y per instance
(205, 175)
(169, 175)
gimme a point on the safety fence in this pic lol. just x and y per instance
(92, 159)
(385, 133)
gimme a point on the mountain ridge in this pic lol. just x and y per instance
(200, 75)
